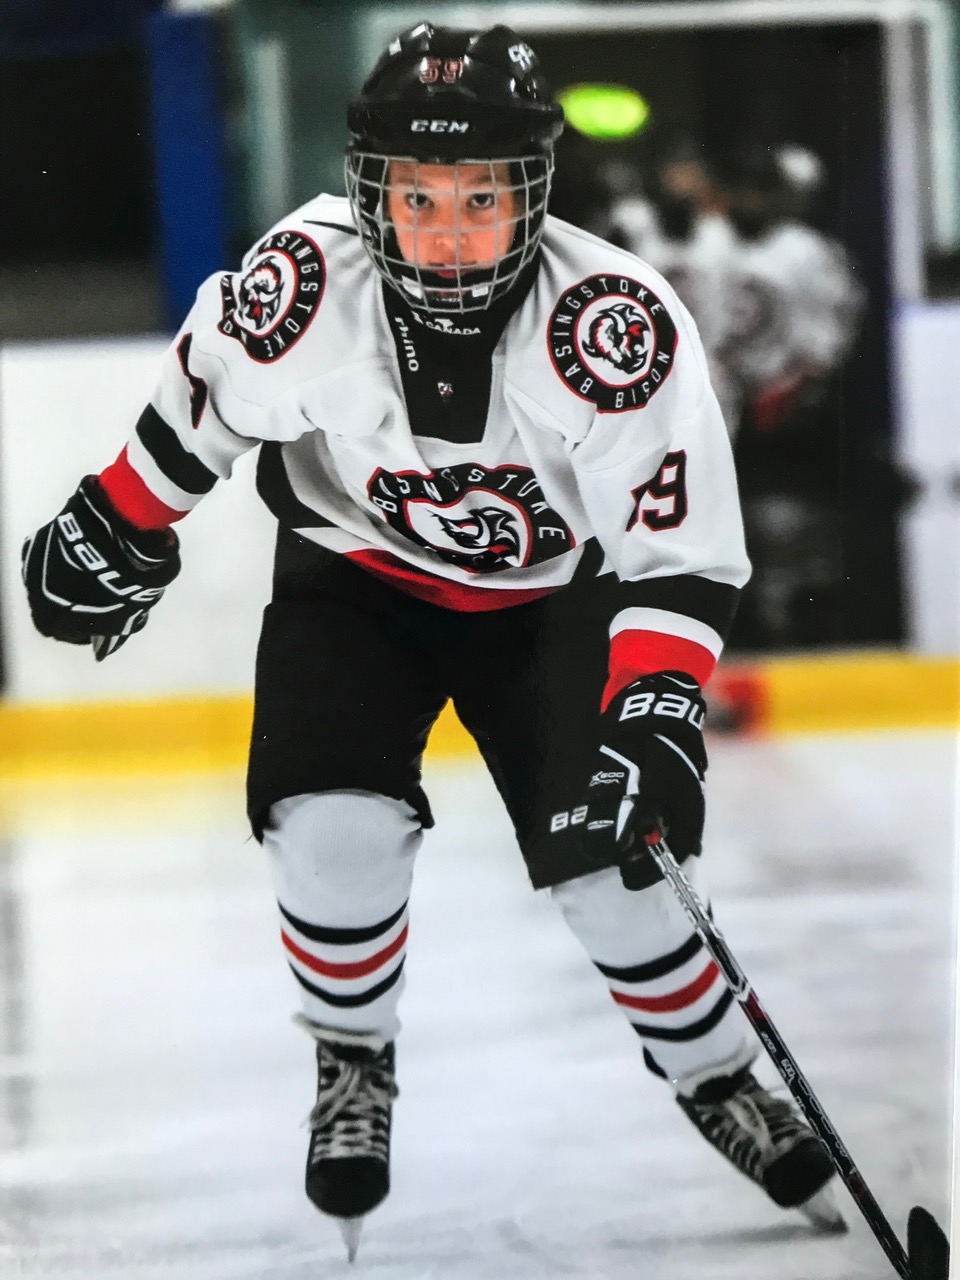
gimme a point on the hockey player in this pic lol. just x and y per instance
(792, 299)
(501, 477)
(793, 307)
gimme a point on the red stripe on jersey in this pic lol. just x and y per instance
(681, 999)
(451, 595)
(358, 969)
(639, 653)
(130, 496)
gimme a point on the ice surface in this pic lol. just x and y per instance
(153, 1090)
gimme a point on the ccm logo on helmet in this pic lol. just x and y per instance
(439, 126)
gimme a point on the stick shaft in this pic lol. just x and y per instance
(781, 1057)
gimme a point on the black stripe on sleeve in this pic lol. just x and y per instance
(694, 1031)
(354, 1001)
(176, 462)
(341, 937)
(658, 968)
(274, 487)
(713, 603)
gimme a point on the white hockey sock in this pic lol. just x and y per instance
(660, 974)
(342, 865)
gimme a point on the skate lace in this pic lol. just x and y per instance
(351, 1116)
(753, 1127)
(783, 1123)
(739, 1129)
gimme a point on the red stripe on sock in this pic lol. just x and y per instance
(129, 495)
(681, 999)
(356, 969)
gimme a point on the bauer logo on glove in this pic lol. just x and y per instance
(653, 730)
(648, 702)
(92, 577)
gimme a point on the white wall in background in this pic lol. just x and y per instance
(67, 409)
(928, 355)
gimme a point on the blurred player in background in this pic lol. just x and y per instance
(792, 308)
(792, 301)
(677, 225)
(501, 476)
(777, 307)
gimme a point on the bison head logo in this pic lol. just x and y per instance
(487, 529)
(260, 294)
(622, 335)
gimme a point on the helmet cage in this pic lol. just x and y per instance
(466, 288)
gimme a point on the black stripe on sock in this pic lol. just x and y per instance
(352, 1001)
(658, 968)
(694, 1031)
(178, 464)
(341, 937)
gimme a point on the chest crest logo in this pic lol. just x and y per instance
(477, 518)
(612, 341)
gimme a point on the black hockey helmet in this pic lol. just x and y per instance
(753, 184)
(750, 166)
(440, 94)
(445, 96)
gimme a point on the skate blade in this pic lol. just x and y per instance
(822, 1211)
(350, 1230)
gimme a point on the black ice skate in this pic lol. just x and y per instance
(348, 1161)
(769, 1142)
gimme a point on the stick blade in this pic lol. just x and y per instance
(927, 1247)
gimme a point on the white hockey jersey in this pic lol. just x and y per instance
(601, 429)
(698, 268)
(792, 303)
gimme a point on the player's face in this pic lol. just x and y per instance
(450, 217)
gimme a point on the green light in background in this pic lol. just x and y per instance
(610, 111)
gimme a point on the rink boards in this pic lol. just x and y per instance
(845, 692)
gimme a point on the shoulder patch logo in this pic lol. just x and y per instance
(270, 306)
(612, 341)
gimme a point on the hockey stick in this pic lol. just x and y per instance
(928, 1252)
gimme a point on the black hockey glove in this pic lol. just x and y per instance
(648, 776)
(92, 577)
